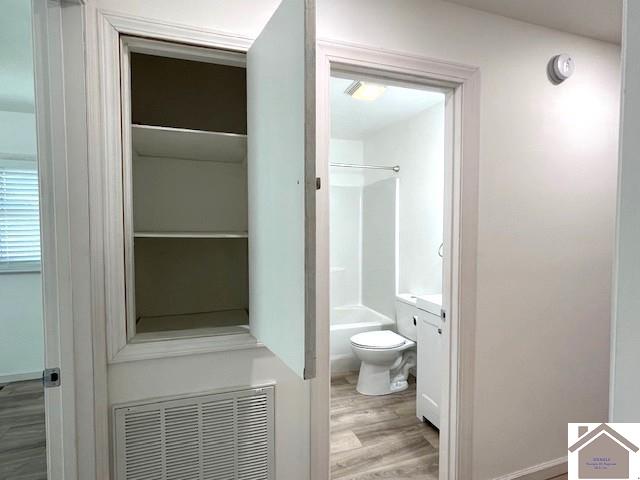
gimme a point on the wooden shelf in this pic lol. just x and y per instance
(229, 318)
(191, 235)
(183, 144)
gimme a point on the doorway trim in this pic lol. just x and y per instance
(462, 229)
(55, 50)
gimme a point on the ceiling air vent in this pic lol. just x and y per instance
(224, 436)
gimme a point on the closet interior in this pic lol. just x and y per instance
(187, 193)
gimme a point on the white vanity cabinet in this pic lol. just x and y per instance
(429, 380)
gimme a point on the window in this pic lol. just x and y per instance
(19, 217)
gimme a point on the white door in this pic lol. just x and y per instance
(282, 185)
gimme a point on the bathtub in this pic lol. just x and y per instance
(346, 321)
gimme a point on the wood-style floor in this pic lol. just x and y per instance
(379, 437)
(22, 431)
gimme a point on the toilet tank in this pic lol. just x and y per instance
(406, 311)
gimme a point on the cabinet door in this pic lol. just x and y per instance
(429, 371)
(281, 181)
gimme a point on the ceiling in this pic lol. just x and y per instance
(599, 19)
(16, 60)
(353, 119)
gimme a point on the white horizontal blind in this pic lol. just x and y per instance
(19, 218)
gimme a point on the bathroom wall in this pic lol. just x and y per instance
(21, 328)
(417, 145)
(548, 164)
(346, 223)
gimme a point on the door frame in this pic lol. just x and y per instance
(462, 227)
(55, 50)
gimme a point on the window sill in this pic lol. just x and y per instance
(173, 346)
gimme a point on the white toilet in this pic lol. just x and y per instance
(387, 356)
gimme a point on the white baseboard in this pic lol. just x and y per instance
(20, 377)
(542, 471)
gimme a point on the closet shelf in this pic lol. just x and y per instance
(191, 235)
(183, 144)
(218, 322)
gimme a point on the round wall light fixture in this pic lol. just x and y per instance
(561, 67)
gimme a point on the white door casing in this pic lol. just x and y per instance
(61, 270)
(460, 239)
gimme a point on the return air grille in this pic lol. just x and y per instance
(226, 436)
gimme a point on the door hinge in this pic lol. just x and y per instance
(51, 377)
(443, 315)
(318, 183)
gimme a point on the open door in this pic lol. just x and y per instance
(282, 184)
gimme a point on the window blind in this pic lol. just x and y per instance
(19, 219)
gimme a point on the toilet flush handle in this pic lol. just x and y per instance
(415, 320)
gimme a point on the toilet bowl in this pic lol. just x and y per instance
(386, 358)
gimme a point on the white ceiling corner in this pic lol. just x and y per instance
(599, 19)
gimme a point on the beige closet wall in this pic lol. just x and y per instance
(547, 203)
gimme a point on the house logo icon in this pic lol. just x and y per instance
(603, 452)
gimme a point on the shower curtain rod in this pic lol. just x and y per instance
(395, 168)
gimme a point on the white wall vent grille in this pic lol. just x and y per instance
(223, 436)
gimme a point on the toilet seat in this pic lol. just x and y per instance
(378, 339)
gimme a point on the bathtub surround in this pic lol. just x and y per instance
(379, 247)
(346, 240)
(347, 321)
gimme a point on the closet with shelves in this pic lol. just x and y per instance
(207, 195)
(186, 221)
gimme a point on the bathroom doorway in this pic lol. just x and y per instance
(460, 85)
(387, 214)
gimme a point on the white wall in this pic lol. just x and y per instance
(417, 145)
(625, 388)
(547, 192)
(17, 132)
(21, 331)
(21, 338)
(546, 220)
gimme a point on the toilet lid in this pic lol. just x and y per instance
(378, 339)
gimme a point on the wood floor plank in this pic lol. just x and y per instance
(22, 431)
(344, 441)
(394, 444)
